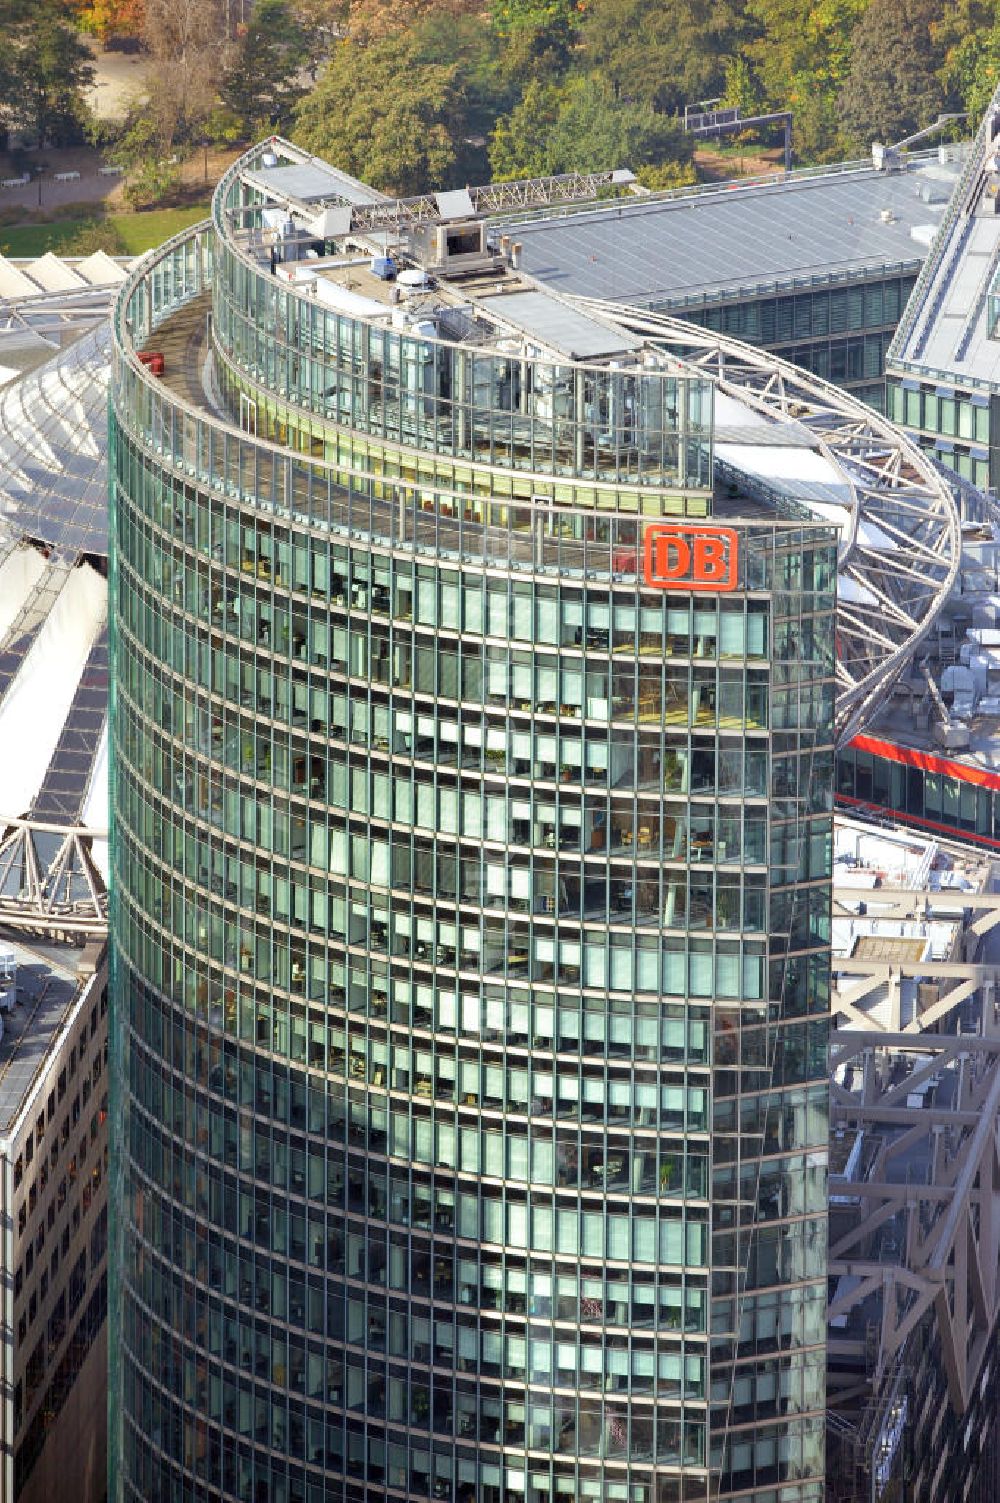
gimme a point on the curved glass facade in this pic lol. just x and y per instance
(471, 907)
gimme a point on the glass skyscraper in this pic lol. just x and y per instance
(471, 887)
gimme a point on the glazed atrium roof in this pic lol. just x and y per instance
(53, 596)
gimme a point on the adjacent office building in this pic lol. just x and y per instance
(932, 756)
(54, 1162)
(472, 777)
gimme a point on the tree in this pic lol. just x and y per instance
(371, 20)
(537, 36)
(666, 53)
(521, 143)
(139, 153)
(971, 69)
(188, 42)
(801, 39)
(893, 86)
(260, 86)
(581, 126)
(385, 113)
(322, 23)
(742, 90)
(801, 51)
(48, 70)
(108, 18)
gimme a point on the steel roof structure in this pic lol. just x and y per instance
(53, 641)
(915, 1088)
(900, 529)
(948, 324)
(47, 303)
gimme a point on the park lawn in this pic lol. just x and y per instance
(141, 232)
(121, 234)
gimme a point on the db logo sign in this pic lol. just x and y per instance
(681, 557)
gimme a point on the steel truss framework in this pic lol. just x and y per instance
(901, 533)
(952, 981)
(53, 497)
(61, 892)
(917, 1232)
(516, 197)
(949, 1253)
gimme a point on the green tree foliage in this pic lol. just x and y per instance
(581, 126)
(44, 72)
(537, 36)
(970, 35)
(666, 53)
(149, 178)
(260, 88)
(742, 90)
(559, 15)
(387, 113)
(894, 85)
(801, 51)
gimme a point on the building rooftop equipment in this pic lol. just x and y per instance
(558, 326)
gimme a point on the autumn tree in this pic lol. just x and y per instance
(969, 35)
(372, 20)
(188, 42)
(666, 53)
(801, 51)
(104, 19)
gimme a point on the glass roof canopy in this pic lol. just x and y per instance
(53, 639)
(53, 438)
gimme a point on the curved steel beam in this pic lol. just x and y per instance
(900, 529)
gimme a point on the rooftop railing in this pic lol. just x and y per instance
(779, 286)
(638, 420)
(860, 167)
(203, 447)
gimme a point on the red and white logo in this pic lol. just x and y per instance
(679, 556)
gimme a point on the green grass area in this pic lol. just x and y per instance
(118, 234)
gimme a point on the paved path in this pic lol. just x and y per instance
(120, 76)
(88, 189)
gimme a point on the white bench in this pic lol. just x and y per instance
(109, 171)
(15, 182)
(65, 177)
